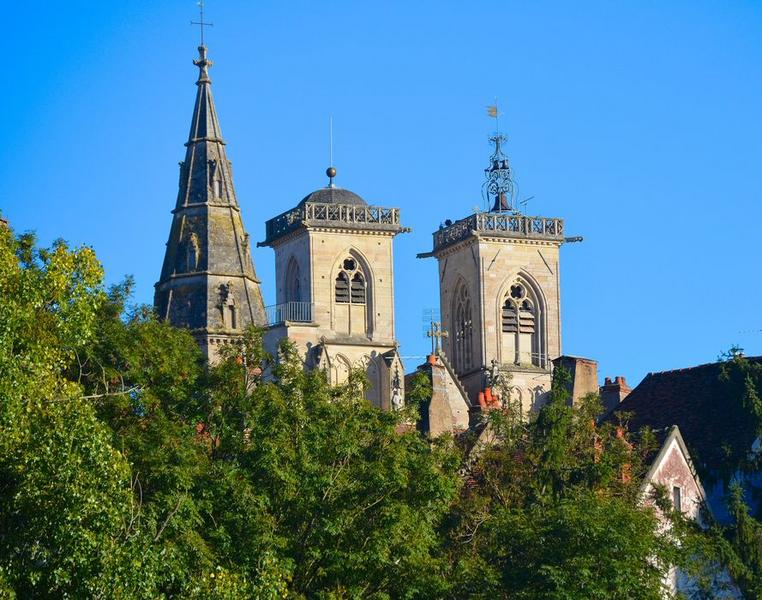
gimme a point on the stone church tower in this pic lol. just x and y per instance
(335, 288)
(208, 283)
(499, 292)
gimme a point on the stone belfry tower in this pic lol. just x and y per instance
(500, 292)
(208, 283)
(334, 271)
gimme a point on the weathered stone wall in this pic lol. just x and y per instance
(353, 335)
(488, 266)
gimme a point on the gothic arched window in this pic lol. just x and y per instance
(350, 283)
(520, 326)
(462, 340)
(293, 282)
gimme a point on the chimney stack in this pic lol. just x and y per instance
(584, 375)
(613, 392)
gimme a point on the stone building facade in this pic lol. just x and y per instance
(499, 287)
(498, 277)
(334, 272)
(208, 282)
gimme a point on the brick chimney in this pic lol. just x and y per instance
(584, 375)
(613, 392)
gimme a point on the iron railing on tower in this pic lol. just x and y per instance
(501, 225)
(319, 214)
(295, 312)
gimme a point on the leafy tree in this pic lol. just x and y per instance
(348, 498)
(129, 469)
(553, 510)
(64, 489)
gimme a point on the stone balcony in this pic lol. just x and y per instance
(496, 224)
(343, 216)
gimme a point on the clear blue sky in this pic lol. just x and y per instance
(637, 122)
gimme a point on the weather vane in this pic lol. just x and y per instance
(201, 23)
(499, 184)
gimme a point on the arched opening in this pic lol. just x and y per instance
(463, 334)
(293, 282)
(521, 336)
(352, 311)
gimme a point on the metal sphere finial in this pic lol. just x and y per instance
(331, 172)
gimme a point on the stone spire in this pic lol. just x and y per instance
(208, 282)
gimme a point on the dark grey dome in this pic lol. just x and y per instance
(334, 196)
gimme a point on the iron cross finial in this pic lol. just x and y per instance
(201, 23)
(436, 333)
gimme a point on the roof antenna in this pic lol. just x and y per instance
(201, 23)
(331, 170)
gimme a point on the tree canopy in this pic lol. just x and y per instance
(130, 469)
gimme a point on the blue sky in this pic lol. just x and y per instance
(637, 122)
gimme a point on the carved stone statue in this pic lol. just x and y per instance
(193, 253)
(398, 400)
(494, 376)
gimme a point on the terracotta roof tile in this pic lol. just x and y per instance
(694, 399)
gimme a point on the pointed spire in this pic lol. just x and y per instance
(205, 126)
(208, 282)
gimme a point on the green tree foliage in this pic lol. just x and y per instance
(63, 486)
(349, 496)
(742, 415)
(553, 510)
(128, 469)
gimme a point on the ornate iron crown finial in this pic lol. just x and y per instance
(499, 185)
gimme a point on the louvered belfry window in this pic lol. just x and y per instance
(510, 320)
(526, 317)
(342, 287)
(350, 283)
(357, 288)
(520, 326)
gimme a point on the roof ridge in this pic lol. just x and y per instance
(701, 366)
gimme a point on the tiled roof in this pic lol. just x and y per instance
(696, 400)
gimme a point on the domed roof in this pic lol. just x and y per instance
(333, 195)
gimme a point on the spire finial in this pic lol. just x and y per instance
(499, 184)
(201, 23)
(203, 64)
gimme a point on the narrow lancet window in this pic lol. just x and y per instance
(358, 289)
(462, 340)
(342, 288)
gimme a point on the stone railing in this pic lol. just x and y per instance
(297, 312)
(500, 224)
(332, 215)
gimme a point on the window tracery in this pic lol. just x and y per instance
(350, 283)
(520, 318)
